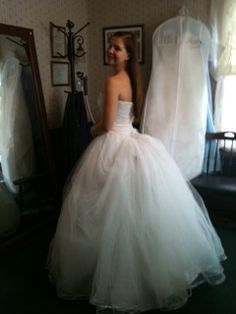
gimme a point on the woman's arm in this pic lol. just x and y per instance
(111, 95)
(109, 108)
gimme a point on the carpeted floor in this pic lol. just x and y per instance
(25, 289)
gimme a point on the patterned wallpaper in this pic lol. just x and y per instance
(37, 15)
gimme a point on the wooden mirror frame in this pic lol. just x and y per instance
(27, 36)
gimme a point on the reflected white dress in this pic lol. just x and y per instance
(131, 235)
(16, 141)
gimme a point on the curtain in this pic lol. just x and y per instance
(223, 69)
(223, 23)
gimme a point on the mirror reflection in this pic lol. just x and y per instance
(24, 191)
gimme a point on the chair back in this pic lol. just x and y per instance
(220, 154)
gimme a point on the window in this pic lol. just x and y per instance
(228, 100)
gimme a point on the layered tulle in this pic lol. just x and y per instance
(132, 234)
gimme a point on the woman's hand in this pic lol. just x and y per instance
(96, 129)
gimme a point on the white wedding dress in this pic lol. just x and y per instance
(132, 234)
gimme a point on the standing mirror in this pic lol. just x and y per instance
(28, 186)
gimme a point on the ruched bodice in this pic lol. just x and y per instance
(124, 117)
(124, 113)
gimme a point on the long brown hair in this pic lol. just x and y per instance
(133, 70)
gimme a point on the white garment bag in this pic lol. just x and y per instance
(16, 141)
(177, 99)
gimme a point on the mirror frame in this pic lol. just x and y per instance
(27, 35)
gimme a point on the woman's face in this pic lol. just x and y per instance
(116, 52)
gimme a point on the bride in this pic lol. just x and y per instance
(132, 234)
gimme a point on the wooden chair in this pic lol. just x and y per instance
(217, 182)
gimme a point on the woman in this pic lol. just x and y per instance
(131, 236)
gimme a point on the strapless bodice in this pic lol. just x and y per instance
(124, 113)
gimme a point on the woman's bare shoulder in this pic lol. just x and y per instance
(119, 85)
(113, 79)
(112, 83)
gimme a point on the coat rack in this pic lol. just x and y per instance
(71, 51)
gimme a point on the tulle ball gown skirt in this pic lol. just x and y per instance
(132, 234)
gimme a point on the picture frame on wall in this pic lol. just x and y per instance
(108, 32)
(60, 73)
(58, 41)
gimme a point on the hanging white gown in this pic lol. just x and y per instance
(178, 94)
(132, 234)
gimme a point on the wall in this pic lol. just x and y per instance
(37, 15)
(151, 13)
